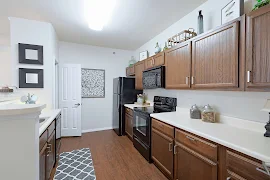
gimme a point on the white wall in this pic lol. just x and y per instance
(96, 112)
(211, 11)
(244, 105)
(37, 33)
(5, 65)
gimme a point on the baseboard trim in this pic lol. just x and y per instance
(97, 129)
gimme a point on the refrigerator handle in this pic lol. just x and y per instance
(118, 99)
(118, 86)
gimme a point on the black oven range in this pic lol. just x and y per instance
(142, 123)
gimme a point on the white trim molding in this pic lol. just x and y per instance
(96, 129)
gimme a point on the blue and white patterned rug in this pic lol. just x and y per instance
(75, 165)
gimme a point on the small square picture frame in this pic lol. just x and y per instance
(30, 78)
(143, 55)
(232, 10)
(34, 57)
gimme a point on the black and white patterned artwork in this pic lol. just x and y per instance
(93, 83)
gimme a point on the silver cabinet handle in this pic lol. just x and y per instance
(228, 178)
(49, 148)
(187, 79)
(263, 171)
(153, 61)
(170, 146)
(174, 149)
(248, 76)
(190, 138)
(192, 80)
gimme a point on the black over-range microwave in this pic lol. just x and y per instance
(154, 78)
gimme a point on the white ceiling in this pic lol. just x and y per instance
(134, 22)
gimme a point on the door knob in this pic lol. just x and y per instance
(78, 104)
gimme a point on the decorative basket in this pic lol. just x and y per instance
(181, 37)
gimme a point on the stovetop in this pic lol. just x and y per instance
(161, 104)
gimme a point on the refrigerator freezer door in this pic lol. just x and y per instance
(117, 86)
(116, 114)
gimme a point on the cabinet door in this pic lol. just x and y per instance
(127, 71)
(42, 163)
(258, 49)
(50, 160)
(130, 71)
(178, 66)
(162, 152)
(129, 125)
(215, 58)
(139, 68)
(158, 60)
(190, 165)
(149, 63)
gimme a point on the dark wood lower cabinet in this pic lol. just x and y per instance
(129, 125)
(233, 176)
(50, 160)
(47, 154)
(162, 152)
(42, 163)
(190, 165)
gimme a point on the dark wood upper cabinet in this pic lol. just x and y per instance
(154, 61)
(190, 165)
(162, 152)
(215, 58)
(139, 68)
(158, 59)
(178, 66)
(130, 71)
(258, 49)
(149, 63)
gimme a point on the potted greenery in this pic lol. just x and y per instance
(260, 3)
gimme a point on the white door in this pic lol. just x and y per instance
(70, 99)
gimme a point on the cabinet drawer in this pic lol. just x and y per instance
(129, 111)
(43, 139)
(200, 145)
(233, 176)
(51, 128)
(247, 167)
(162, 127)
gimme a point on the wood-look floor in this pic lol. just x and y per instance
(114, 156)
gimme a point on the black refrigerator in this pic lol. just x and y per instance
(123, 93)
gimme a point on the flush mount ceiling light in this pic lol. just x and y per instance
(98, 12)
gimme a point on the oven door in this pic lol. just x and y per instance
(141, 127)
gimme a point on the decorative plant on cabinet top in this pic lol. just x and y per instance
(261, 3)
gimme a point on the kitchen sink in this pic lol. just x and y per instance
(42, 120)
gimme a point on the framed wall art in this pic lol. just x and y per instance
(93, 83)
(143, 55)
(30, 54)
(232, 10)
(30, 78)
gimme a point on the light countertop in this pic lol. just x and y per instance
(244, 140)
(20, 109)
(132, 106)
(49, 115)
